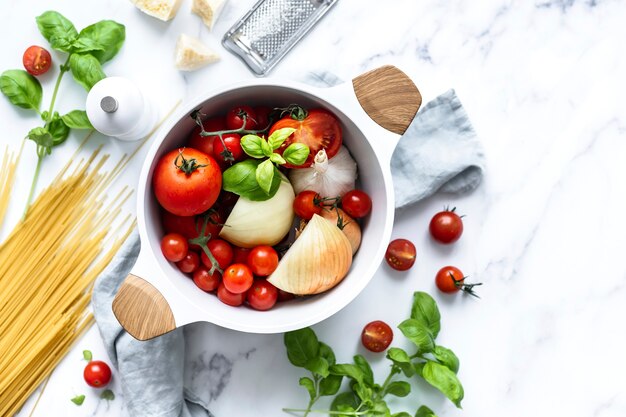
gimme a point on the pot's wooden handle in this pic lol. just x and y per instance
(389, 97)
(142, 310)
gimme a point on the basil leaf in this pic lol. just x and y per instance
(86, 70)
(108, 395)
(444, 380)
(424, 411)
(41, 137)
(425, 310)
(107, 35)
(327, 353)
(78, 400)
(58, 130)
(296, 153)
(447, 358)
(330, 385)
(265, 175)
(57, 30)
(349, 370)
(302, 346)
(398, 388)
(344, 402)
(251, 145)
(402, 360)
(21, 88)
(317, 365)
(362, 391)
(81, 46)
(279, 136)
(77, 119)
(309, 385)
(87, 355)
(266, 148)
(277, 159)
(241, 180)
(380, 409)
(368, 375)
(418, 333)
(401, 414)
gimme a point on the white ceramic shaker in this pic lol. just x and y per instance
(116, 107)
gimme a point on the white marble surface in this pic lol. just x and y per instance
(541, 81)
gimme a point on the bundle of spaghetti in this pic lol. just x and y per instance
(48, 264)
(7, 177)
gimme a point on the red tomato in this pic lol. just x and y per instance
(228, 297)
(262, 116)
(450, 279)
(240, 255)
(376, 336)
(190, 226)
(400, 254)
(233, 144)
(221, 251)
(356, 204)
(285, 296)
(174, 247)
(205, 143)
(263, 260)
(205, 281)
(189, 263)
(237, 278)
(186, 182)
(318, 130)
(262, 295)
(97, 374)
(36, 60)
(306, 204)
(446, 226)
(235, 118)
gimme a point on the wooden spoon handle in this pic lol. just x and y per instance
(389, 97)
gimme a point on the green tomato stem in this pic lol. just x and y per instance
(33, 185)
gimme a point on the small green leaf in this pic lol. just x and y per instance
(241, 180)
(349, 370)
(309, 385)
(330, 385)
(368, 375)
(302, 346)
(41, 137)
(444, 380)
(86, 70)
(107, 35)
(78, 400)
(77, 119)
(279, 136)
(402, 360)
(317, 365)
(277, 159)
(346, 401)
(398, 388)
(265, 175)
(425, 310)
(58, 130)
(424, 411)
(57, 30)
(87, 355)
(380, 409)
(447, 357)
(266, 149)
(418, 333)
(108, 395)
(401, 414)
(363, 392)
(327, 353)
(296, 153)
(21, 88)
(251, 145)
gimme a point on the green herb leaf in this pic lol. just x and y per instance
(266, 148)
(401, 414)
(398, 388)
(241, 180)
(317, 365)
(77, 119)
(402, 360)
(424, 411)
(417, 332)
(58, 130)
(330, 385)
(42, 138)
(86, 70)
(251, 145)
(78, 400)
(380, 409)
(309, 385)
(277, 159)
(349, 370)
(21, 88)
(59, 31)
(296, 153)
(279, 136)
(108, 395)
(444, 380)
(265, 175)
(302, 346)
(84, 45)
(425, 310)
(447, 358)
(108, 35)
(327, 353)
(368, 375)
(87, 355)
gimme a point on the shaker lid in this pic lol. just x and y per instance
(114, 106)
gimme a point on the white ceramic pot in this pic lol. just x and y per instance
(374, 110)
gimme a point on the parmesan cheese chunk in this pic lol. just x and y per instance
(192, 54)
(208, 10)
(161, 9)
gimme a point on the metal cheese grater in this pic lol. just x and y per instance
(271, 28)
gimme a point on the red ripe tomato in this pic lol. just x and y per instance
(263, 260)
(237, 278)
(319, 130)
(446, 226)
(240, 255)
(235, 118)
(376, 336)
(97, 374)
(306, 204)
(186, 182)
(190, 226)
(450, 279)
(262, 295)
(174, 247)
(36, 60)
(205, 143)
(285, 296)
(233, 144)
(221, 251)
(228, 297)
(356, 204)
(206, 281)
(262, 116)
(400, 254)
(189, 263)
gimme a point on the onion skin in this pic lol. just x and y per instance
(351, 227)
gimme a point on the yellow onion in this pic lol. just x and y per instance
(317, 261)
(347, 224)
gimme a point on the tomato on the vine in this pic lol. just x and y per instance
(285, 296)
(221, 251)
(36, 60)
(262, 295)
(446, 226)
(356, 203)
(235, 118)
(174, 247)
(262, 260)
(237, 278)
(206, 281)
(306, 204)
(227, 297)
(189, 263)
(400, 254)
(262, 116)
(376, 336)
(97, 374)
(205, 143)
(450, 279)
(233, 144)
(240, 255)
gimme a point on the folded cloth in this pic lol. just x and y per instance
(439, 151)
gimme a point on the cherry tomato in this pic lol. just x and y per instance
(221, 251)
(205, 143)
(186, 182)
(206, 281)
(376, 336)
(263, 260)
(237, 278)
(189, 263)
(228, 297)
(318, 130)
(233, 144)
(285, 296)
(174, 247)
(235, 118)
(446, 226)
(97, 374)
(262, 116)
(262, 295)
(450, 279)
(400, 254)
(306, 204)
(356, 204)
(240, 255)
(36, 60)
(190, 226)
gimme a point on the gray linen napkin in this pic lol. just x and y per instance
(439, 151)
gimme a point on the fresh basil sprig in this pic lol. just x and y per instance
(434, 364)
(87, 51)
